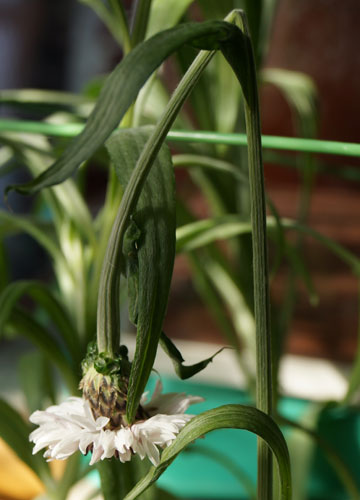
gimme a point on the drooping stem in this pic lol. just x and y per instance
(108, 320)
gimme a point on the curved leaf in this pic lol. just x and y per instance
(164, 15)
(335, 460)
(149, 250)
(11, 295)
(46, 98)
(38, 385)
(65, 200)
(23, 324)
(192, 160)
(120, 90)
(228, 416)
(300, 92)
(33, 228)
(183, 371)
(15, 432)
(203, 232)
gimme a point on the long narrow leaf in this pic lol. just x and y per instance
(164, 15)
(11, 295)
(65, 200)
(15, 432)
(15, 222)
(36, 379)
(229, 416)
(197, 234)
(120, 90)
(23, 324)
(149, 253)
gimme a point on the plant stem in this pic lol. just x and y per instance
(108, 321)
(198, 136)
(264, 386)
(140, 21)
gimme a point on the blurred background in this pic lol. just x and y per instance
(61, 45)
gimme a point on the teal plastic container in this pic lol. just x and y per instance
(202, 473)
(223, 464)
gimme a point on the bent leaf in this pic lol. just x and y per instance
(225, 417)
(15, 432)
(24, 324)
(120, 90)
(41, 294)
(37, 384)
(149, 248)
(174, 354)
(10, 223)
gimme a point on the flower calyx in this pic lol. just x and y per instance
(105, 385)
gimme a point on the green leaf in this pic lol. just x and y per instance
(114, 19)
(43, 297)
(192, 160)
(164, 15)
(228, 416)
(300, 92)
(120, 90)
(4, 265)
(46, 98)
(340, 466)
(174, 354)
(65, 201)
(36, 380)
(149, 248)
(140, 21)
(15, 432)
(200, 233)
(24, 324)
(197, 234)
(10, 222)
(354, 377)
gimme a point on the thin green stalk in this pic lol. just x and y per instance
(114, 19)
(121, 19)
(199, 136)
(264, 386)
(140, 21)
(116, 478)
(108, 322)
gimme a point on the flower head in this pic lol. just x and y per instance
(73, 425)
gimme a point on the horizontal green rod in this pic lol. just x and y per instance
(268, 141)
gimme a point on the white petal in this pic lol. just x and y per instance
(170, 403)
(107, 442)
(152, 452)
(124, 440)
(96, 455)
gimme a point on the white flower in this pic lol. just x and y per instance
(71, 426)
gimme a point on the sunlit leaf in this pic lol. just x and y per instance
(46, 98)
(300, 92)
(149, 248)
(229, 416)
(199, 233)
(64, 201)
(120, 90)
(164, 15)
